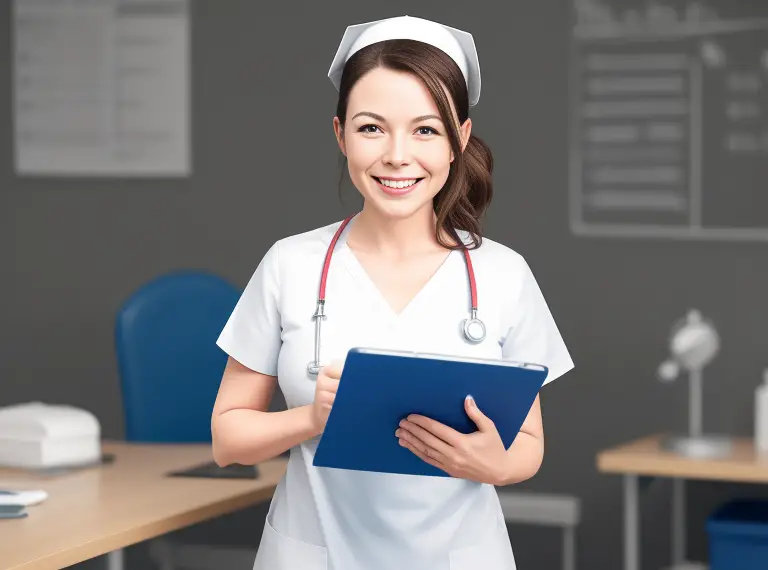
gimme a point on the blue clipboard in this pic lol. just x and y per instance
(378, 388)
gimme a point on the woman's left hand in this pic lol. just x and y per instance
(479, 456)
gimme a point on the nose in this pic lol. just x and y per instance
(397, 151)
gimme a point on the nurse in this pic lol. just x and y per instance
(396, 275)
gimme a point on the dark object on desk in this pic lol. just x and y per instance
(213, 471)
(12, 511)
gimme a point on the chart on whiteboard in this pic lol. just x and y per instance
(101, 87)
(669, 119)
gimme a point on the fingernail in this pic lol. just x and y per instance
(471, 400)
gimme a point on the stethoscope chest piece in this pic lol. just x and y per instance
(474, 329)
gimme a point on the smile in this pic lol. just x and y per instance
(397, 187)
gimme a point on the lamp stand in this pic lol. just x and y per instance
(696, 444)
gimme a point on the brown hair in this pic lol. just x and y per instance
(462, 201)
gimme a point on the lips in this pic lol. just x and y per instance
(395, 190)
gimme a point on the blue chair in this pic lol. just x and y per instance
(168, 361)
(170, 369)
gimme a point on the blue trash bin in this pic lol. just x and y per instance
(738, 535)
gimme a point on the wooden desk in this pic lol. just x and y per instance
(103, 509)
(646, 458)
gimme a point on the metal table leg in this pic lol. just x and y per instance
(678, 522)
(569, 548)
(631, 523)
(115, 560)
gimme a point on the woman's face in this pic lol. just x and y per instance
(396, 145)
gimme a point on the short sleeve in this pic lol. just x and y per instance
(252, 334)
(533, 335)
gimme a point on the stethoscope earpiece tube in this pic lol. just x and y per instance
(314, 367)
(474, 328)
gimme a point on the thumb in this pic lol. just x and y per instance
(334, 369)
(482, 421)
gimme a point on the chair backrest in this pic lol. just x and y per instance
(169, 364)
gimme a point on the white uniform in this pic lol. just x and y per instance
(329, 519)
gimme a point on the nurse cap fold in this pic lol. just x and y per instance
(458, 45)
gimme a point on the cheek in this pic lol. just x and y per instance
(436, 154)
(360, 158)
(359, 178)
(437, 161)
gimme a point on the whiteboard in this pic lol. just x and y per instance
(101, 87)
(669, 119)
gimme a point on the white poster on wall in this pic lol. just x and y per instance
(101, 87)
(669, 129)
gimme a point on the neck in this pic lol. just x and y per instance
(377, 233)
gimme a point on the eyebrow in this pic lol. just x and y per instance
(383, 120)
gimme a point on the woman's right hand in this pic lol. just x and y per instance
(325, 393)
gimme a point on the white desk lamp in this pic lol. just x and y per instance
(694, 343)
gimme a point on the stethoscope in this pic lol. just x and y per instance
(474, 328)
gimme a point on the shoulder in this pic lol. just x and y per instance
(499, 259)
(503, 274)
(497, 251)
(294, 251)
(318, 237)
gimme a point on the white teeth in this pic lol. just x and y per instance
(398, 183)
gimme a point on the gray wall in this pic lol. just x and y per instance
(72, 249)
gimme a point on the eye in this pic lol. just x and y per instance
(429, 130)
(365, 129)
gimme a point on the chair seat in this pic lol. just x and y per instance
(167, 553)
(540, 508)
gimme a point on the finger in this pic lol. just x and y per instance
(424, 457)
(333, 369)
(326, 398)
(440, 430)
(422, 446)
(426, 437)
(328, 384)
(483, 422)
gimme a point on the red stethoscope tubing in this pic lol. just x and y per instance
(332, 247)
(474, 329)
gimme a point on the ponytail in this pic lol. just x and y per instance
(466, 195)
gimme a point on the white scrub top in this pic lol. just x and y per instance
(333, 519)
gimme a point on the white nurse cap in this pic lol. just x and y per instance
(459, 46)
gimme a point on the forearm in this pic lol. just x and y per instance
(523, 459)
(249, 437)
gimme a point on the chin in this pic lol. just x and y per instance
(398, 209)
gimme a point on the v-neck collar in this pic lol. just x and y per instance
(371, 292)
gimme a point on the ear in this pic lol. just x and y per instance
(464, 132)
(339, 132)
